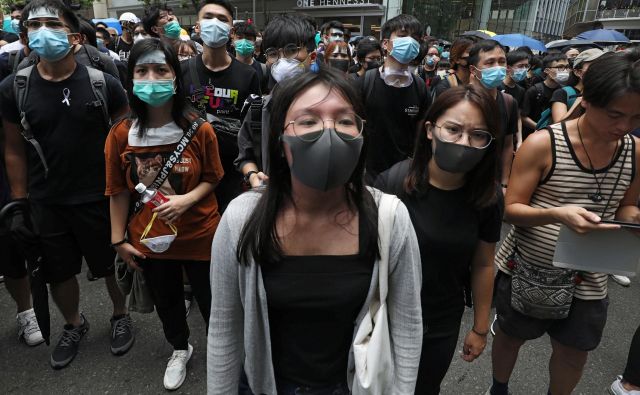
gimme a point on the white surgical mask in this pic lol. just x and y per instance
(284, 69)
(562, 77)
(158, 244)
(442, 74)
(139, 37)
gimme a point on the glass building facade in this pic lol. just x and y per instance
(621, 15)
(542, 19)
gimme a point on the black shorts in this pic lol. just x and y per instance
(70, 232)
(12, 263)
(581, 330)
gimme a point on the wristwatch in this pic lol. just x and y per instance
(247, 176)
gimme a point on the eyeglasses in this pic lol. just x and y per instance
(560, 68)
(522, 67)
(309, 127)
(374, 59)
(289, 51)
(452, 133)
(52, 24)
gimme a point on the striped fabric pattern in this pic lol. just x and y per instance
(570, 183)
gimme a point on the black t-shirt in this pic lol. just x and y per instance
(536, 100)
(8, 37)
(517, 92)
(222, 94)
(560, 95)
(72, 136)
(448, 228)
(443, 84)
(508, 117)
(392, 121)
(313, 302)
(122, 49)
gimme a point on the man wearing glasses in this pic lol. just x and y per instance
(61, 179)
(537, 98)
(124, 43)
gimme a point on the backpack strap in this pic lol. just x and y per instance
(572, 95)
(369, 81)
(99, 88)
(508, 105)
(94, 57)
(21, 90)
(14, 60)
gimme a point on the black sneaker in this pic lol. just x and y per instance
(67, 346)
(121, 334)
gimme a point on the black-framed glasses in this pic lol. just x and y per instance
(52, 24)
(522, 67)
(452, 133)
(560, 68)
(310, 127)
(289, 51)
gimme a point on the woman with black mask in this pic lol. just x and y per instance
(295, 264)
(338, 56)
(449, 188)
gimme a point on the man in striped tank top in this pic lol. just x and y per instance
(576, 173)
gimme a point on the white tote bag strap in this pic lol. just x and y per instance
(386, 216)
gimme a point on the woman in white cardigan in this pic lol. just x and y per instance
(295, 265)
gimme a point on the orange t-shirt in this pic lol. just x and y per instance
(200, 162)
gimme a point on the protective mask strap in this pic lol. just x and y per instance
(150, 225)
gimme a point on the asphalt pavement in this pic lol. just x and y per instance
(26, 370)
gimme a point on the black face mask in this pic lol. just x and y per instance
(339, 64)
(373, 65)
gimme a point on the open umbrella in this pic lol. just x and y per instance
(110, 22)
(519, 40)
(605, 36)
(481, 34)
(33, 254)
(572, 43)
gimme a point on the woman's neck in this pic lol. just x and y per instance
(161, 115)
(443, 179)
(315, 202)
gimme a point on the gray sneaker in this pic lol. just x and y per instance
(121, 334)
(67, 347)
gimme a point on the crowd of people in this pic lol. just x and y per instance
(253, 173)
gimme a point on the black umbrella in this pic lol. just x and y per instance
(572, 43)
(32, 252)
(477, 34)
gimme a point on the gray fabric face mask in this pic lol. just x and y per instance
(325, 163)
(456, 158)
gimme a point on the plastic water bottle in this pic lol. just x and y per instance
(151, 197)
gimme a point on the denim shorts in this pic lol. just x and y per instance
(581, 330)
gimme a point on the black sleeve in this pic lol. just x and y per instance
(559, 95)
(382, 180)
(529, 100)
(514, 115)
(490, 223)
(109, 66)
(9, 37)
(254, 87)
(441, 86)
(245, 144)
(5, 68)
(117, 99)
(8, 101)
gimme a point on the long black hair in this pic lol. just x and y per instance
(138, 107)
(481, 180)
(611, 76)
(259, 238)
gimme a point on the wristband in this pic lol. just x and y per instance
(121, 242)
(473, 329)
(247, 176)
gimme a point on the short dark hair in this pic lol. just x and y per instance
(554, 57)
(105, 32)
(289, 29)
(138, 107)
(481, 180)
(514, 57)
(16, 7)
(226, 4)
(324, 29)
(245, 30)
(525, 49)
(259, 239)
(409, 23)
(535, 62)
(88, 29)
(610, 76)
(458, 48)
(150, 19)
(57, 6)
(482, 46)
(365, 47)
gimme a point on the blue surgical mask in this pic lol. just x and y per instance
(100, 42)
(405, 49)
(49, 44)
(154, 92)
(214, 33)
(15, 25)
(244, 47)
(172, 30)
(519, 75)
(492, 77)
(445, 55)
(430, 61)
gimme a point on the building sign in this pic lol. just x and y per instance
(331, 3)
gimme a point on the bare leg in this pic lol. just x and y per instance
(504, 354)
(565, 368)
(117, 298)
(67, 297)
(20, 292)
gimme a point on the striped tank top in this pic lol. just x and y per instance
(569, 183)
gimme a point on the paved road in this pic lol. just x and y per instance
(95, 371)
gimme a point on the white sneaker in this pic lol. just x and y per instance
(28, 329)
(617, 389)
(177, 368)
(622, 280)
